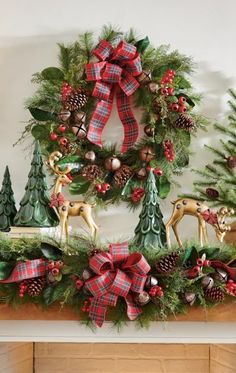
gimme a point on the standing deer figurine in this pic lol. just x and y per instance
(201, 211)
(64, 207)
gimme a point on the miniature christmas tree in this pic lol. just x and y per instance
(150, 231)
(35, 210)
(218, 180)
(7, 203)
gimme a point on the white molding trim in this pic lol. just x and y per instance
(159, 332)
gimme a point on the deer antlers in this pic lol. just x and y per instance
(55, 157)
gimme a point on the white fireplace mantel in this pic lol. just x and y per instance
(159, 332)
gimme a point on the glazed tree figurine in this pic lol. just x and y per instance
(150, 231)
(35, 210)
(7, 203)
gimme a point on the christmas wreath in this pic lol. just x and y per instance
(118, 284)
(73, 103)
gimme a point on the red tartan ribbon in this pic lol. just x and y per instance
(114, 75)
(118, 274)
(25, 270)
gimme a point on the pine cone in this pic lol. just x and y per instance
(212, 193)
(168, 263)
(185, 122)
(122, 175)
(92, 172)
(76, 100)
(215, 294)
(231, 161)
(35, 286)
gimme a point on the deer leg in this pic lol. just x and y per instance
(174, 227)
(200, 231)
(63, 218)
(205, 235)
(90, 223)
(67, 229)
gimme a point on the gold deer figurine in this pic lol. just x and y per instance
(202, 212)
(67, 208)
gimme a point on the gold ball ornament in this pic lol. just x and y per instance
(79, 130)
(149, 130)
(147, 154)
(90, 156)
(64, 115)
(142, 298)
(112, 163)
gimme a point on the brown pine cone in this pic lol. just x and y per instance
(185, 122)
(215, 294)
(168, 263)
(92, 172)
(35, 286)
(122, 175)
(76, 100)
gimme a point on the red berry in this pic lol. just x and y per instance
(62, 128)
(63, 141)
(158, 172)
(175, 107)
(79, 283)
(171, 72)
(105, 186)
(55, 271)
(200, 262)
(171, 91)
(98, 187)
(182, 109)
(51, 265)
(197, 269)
(164, 91)
(53, 136)
(182, 100)
(59, 264)
(230, 282)
(207, 263)
(170, 80)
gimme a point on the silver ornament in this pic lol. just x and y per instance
(207, 282)
(190, 298)
(221, 275)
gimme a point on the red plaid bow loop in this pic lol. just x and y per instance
(114, 75)
(26, 270)
(118, 274)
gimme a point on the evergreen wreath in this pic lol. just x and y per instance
(73, 102)
(152, 286)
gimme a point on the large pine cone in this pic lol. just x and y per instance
(168, 263)
(92, 172)
(122, 175)
(35, 286)
(215, 294)
(185, 122)
(76, 100)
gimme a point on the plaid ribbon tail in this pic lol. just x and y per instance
(133, 310)
(97, 312)
(131, 127)
(99, 119)
(26, 270)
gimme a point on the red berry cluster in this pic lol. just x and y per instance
(203, 263)
(169, 150)
(22, 288)
(231, 288)
(87, 305)
(102, 188)
(55, 267)
(156, 291)
(180, 106)
(195, 271)
(63, 141)
(166, 81)
(79, 284)
(66, 90)
(137, 194)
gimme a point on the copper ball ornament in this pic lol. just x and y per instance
(79, 130)
(142, 298)
(141, 174)
(147, 154)
(149, 130)
(90, 156)
(153, 87)
(112, 163)
(64, 115)
(144, 78)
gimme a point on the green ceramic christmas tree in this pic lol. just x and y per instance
(35, 210)
(150, 231)
(7, 203)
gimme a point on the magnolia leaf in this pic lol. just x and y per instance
(41, 115)
(58, 277)
(211, 252)
(182, 160)
(5, 270)
(164, 187)
(78, 187)
(183, 83)
(184, 138)
(190, 257)
(50, 251)
(72, 161)
(188, 99)
(142, 44)
(40, 131)
(52, 73)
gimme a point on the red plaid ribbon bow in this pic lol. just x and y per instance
(118, 274)
(25, 270)
(114, 75)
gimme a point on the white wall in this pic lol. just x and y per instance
(30, 29)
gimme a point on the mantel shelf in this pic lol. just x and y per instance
(225, 312)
